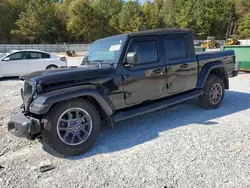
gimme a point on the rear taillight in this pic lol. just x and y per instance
(64, 59)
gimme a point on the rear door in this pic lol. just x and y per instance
(15, 65)
(38, 60)
(179, 64)
(146, 80)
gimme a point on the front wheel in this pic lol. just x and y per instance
(72, 127)
(214, 92)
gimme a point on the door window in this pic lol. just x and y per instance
(36, 55)
(45, 56)
(147, 50)
(16, 56)
(175, 48)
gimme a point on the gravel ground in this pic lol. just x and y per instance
(184, 146)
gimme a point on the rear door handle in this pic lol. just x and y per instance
(184, 66)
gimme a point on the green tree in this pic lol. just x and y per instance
(87, 22)
(50, 21)
(38, 23)
(170, 13)
(244, 27)
(239, 8)
(62, 13)
(130, 17)
(151, 15)
(7, 21)
(10, 10)
(110, 10)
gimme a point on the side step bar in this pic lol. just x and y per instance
(127, 114)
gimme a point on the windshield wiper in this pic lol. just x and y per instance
(99, 62)
(111, 64)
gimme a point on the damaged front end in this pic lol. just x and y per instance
(23, 124)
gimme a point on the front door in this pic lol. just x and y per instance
(147, 79)
(15, 65)
(178, 63)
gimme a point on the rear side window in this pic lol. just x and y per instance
(37, 55)
(34, 55)
(146, 49)
(175, 47)
(45, 56)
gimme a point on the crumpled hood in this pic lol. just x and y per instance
(68, 74)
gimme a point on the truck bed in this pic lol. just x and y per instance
(214, 55)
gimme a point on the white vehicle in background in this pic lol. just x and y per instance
(19, 62)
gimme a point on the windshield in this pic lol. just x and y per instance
(2, 55)
(105, 51)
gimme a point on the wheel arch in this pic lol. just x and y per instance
(43, 103)
(51, 65)
(218, 68)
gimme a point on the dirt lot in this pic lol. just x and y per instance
(184, 146)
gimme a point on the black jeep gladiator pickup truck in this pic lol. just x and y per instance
(121, 77)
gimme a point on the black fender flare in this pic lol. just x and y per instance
(206, 70)
(42, 103)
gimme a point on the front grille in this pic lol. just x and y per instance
(27, 93)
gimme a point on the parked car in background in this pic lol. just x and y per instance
(19, 62)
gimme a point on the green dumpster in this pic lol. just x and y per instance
(242, 54)
(199, 49)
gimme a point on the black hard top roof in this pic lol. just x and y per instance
(151, 32)
(161, 31)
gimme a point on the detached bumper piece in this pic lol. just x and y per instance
(22, 126)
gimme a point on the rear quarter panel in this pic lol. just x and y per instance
(57, 62)
(226, 57)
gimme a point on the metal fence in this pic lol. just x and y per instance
(45, 47)
(63, 47)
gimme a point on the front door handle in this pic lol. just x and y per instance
(184, 66)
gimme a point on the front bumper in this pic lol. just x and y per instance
(23, 126)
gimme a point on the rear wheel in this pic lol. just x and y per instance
(214, 91)
(71, 128)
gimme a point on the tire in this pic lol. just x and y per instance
(208, 99)
(53, 138)
(52, 67)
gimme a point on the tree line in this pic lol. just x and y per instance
(48, 21)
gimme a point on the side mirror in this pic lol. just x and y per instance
(133, 58)
(6, 59)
